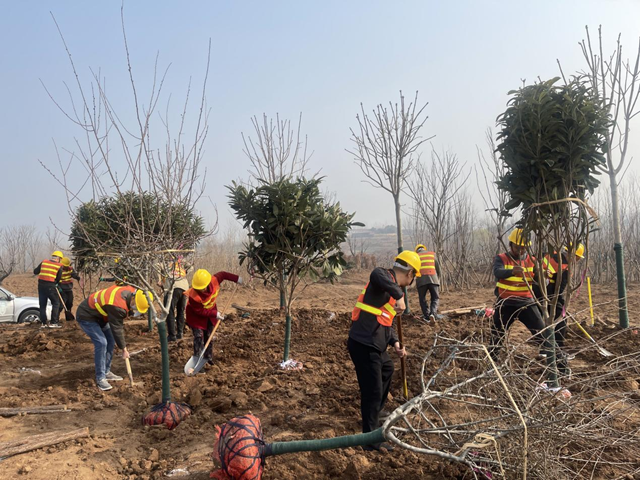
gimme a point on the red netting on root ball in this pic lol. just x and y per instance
(239, 449)
(168, 413)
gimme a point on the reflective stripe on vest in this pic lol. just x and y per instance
(108, 296)
(178, 270)
(384, 314)
(48, 271)
(210, 301)
(550, 266)
(427, 263)
(66, 275)
(516, 286)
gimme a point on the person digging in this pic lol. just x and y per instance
(202, 309)
(101, 317)
(551, 265)
(66, 288)
(49, 272)
(515, 282)
(174, 289)
(372, 332)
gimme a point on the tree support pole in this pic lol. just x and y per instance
(623, 313)
(287, 337)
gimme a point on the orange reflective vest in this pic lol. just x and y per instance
(66, 275)
(208, 302)
(109, 296)
(49, 271)
(178, 270)
(384, 314)
(516, 286)
(550, 266)
(427, 263)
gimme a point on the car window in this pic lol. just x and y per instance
(4, 295)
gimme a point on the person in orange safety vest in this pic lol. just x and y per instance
(428, 282)
(49, 274)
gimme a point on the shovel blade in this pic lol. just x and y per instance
(194, 365)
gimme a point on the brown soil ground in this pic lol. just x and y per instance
(321, 400)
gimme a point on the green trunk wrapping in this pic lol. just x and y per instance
(287, 338)
(623, 313)
(164, 349)
(279, 448)
(150, 320)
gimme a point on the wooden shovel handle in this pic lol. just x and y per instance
(126, 361)
(219, 321)
(403, 363)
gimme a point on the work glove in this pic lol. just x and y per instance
(220, 316)
(240, 281)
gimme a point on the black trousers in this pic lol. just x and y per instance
(48, 292)
(505, 315)
(200, 337)
(374, 370)
(434, 291)
(561, 326)
(67, 297)
(176, 312)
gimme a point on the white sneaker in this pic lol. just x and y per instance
(112, 376)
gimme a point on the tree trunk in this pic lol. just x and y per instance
(396, 201)
(623, 314)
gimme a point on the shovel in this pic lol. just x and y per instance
(195, 364)
(603, 351)
(67, 312)
(126, 360)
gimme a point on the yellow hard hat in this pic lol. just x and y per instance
(57, 253)
(66, 262)
(410, 258)
(580, 251)
(517, 238)
(201, 279)
(420, 246)
(142, 304)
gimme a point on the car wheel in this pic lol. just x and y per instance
(29, 316)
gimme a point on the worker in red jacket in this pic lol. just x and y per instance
(202, 309)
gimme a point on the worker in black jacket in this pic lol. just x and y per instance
(372, 333)
(101, 317)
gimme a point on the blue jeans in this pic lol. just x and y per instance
(103, 344)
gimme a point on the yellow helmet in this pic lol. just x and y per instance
(201, 279)
(410, 258)
(57, 253)
(420, 246)
(66, 262)
(142, 304)
(580, 251)
(517, 238)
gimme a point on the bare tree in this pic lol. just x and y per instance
(435, 192)
(155, 187)
(386, 145)
(278, 151)
(617, 82)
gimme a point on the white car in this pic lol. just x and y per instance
(20, 309)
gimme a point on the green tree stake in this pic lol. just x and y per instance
(623, 313)
(164, 350)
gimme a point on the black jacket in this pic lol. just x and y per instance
(367, 330)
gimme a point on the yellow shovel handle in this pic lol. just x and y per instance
(590, 300)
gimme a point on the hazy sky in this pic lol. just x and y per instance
(321, 58)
